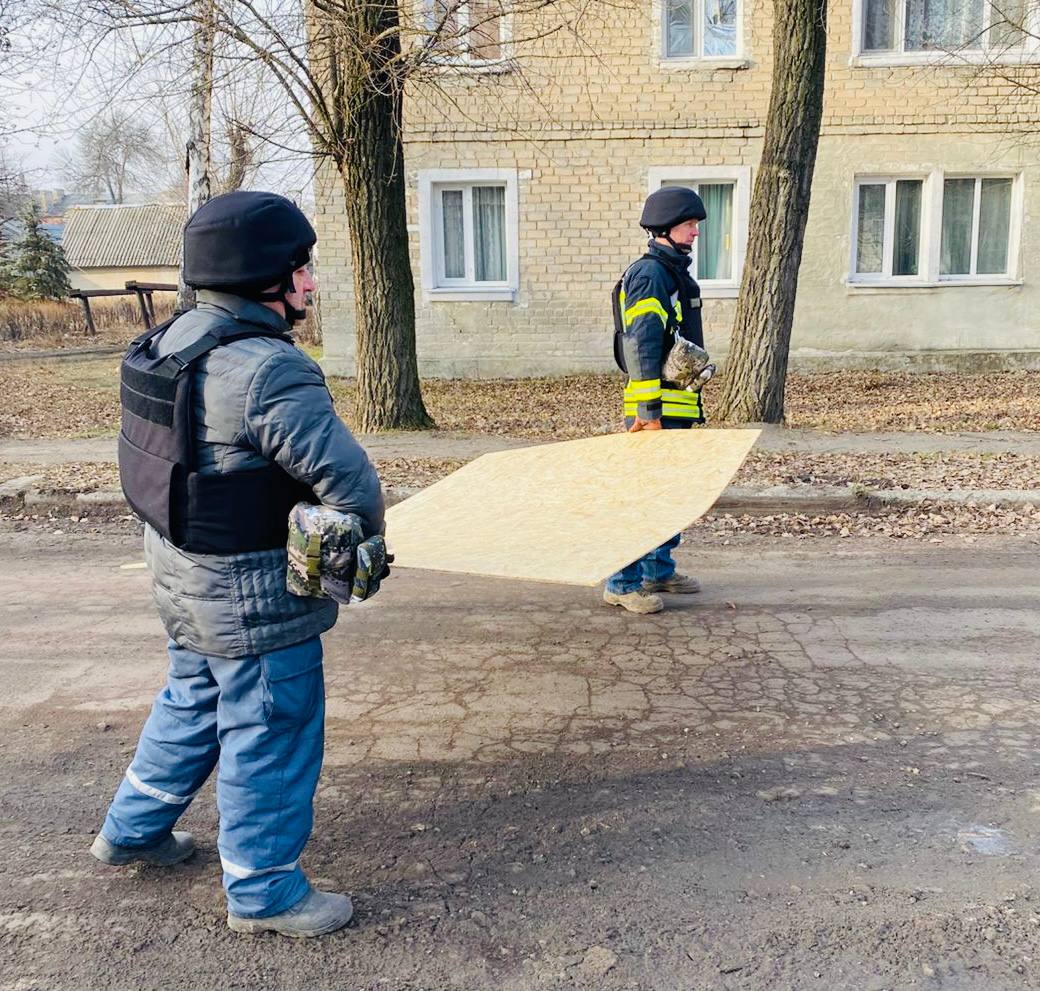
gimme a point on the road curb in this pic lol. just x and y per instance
(21, 495)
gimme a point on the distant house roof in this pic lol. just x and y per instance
(138, 235)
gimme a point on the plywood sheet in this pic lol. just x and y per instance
(573, 512)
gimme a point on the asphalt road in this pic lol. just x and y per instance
(820, 773)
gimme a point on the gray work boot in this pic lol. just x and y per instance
(639, 601)
(317, 913)
(172, 850)
(677, 585)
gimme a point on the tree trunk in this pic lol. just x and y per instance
(197, 160)
(371, 165)
(756, 370)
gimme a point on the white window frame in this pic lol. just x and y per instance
(737, 60)
(1028, 53)
(431, 241)
(1014, 227)
(740, 176)
(931, 232)
(888, 244)
(464, 60)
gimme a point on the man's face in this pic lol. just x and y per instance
(684, 233)
(303, 283)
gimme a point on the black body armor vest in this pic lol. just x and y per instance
(202, 513)
(691, 327)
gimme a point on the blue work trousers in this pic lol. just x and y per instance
(262, 720)
(657, 566)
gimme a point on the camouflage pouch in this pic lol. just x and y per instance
(322, 552)
(687, 365)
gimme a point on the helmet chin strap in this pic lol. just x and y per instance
(281, 295)
(683, 249)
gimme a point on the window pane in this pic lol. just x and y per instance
(908, 227)
(1007, 24)
(485, 40)
(489, 233)
(943, 24)
(454, 249)
(870, 232)
(958, 203)
(994, 227)
(720, 27)
(678, 27)
(715, 239)
(879, 25)
(444, 20)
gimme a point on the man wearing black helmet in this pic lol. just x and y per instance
(245, 690)
(656, 300)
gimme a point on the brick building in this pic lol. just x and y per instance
(526, 170)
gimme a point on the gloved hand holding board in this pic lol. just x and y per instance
(571, 513)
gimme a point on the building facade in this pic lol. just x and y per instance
(528, 161)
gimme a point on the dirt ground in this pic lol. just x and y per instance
(820, 773)
(80, 398)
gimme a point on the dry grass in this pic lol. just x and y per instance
(47, 326)
(58, 325)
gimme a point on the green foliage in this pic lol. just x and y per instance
(34, 267)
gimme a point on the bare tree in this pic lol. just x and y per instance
(342, 67)
(200, 114)
(756, 371)
(115, 154)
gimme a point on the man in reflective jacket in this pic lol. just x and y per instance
(659, 300)
(245, 688)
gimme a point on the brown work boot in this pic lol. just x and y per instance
(677, 585)
(638, 601)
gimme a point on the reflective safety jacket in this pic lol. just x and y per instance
(658, 299)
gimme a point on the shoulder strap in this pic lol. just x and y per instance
(154, 332)
(175, 363)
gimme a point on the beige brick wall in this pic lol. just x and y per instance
(582, 134)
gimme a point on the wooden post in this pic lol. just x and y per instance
(143, 307)
(85, 302)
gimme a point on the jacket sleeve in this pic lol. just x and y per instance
(645, 316)
(290, 419)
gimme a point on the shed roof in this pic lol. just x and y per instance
(124, 236)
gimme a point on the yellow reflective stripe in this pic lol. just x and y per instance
(681, 412)
(681, 397)
(644, 391)
(643, 307)
(681, 404)
(678, 310)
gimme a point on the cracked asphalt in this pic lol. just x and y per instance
(820, 773)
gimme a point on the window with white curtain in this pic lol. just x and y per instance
(981, 27)
(468, 231)
(927, 230)
(700, 28)
(718, 255)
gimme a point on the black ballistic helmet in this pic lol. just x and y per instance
(245, 242)
(668, 206)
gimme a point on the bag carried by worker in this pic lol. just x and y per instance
(330, 558)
